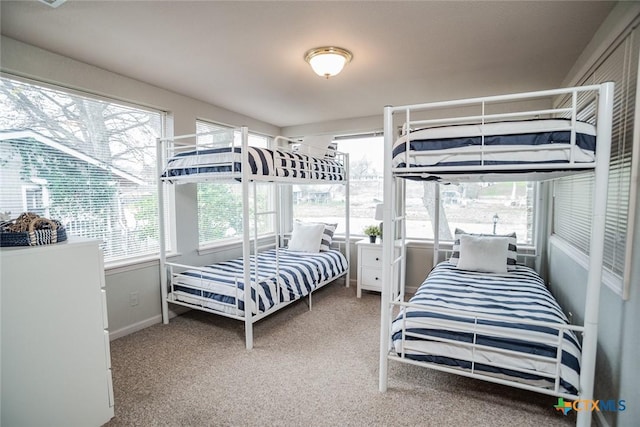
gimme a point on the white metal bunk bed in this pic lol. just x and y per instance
(437, 330)
(277, 276)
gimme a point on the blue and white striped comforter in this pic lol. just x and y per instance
(262, 161)
(299, 274)
(518, 295)
(528, 142)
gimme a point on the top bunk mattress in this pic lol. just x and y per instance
(501, 143)
(227, 161)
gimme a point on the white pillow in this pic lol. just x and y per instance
(512, 253)
(306, 237)
(484, 254)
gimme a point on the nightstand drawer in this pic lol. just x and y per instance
(372, 257)
(371, 279)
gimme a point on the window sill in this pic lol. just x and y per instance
(131, 264)
(610, 279)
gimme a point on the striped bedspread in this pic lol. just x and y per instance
(263, 161)
(514, 142)
(519, 295)
(221, 286)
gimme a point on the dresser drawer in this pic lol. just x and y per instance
(371, 257)
(371, 279)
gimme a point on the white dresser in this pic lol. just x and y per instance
(55, 360)
(369, 266)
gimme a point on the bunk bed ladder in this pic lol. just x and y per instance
(388, 246)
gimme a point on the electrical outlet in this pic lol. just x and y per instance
(134, 299)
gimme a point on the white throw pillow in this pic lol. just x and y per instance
(484, 254)
(306, 237)
(512, 253)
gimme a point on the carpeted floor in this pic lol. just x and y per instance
(308, 368)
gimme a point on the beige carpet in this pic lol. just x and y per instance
(308, 368)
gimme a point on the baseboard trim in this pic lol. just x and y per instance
(138, 326)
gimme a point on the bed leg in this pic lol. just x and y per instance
(383, 379)
(584, 419)
(248, 333)
(310, 302)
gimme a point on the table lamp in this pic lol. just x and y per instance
(380, 216)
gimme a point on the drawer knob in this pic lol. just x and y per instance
(377, 259)
(377, 278)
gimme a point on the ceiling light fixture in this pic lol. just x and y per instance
(328, 61)
(53, 3)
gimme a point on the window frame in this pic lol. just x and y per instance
(214, 246)
(124, 261)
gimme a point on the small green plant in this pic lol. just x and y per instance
(372, 230)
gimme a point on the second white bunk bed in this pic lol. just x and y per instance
(278, 274)
(503, 325)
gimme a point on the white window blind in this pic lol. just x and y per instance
(572, 201)
(87, 162)
(220, 203)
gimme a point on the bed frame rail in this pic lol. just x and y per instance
(471, 323)
(583, 98)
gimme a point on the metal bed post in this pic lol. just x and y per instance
(596, 248)
(246, 240)
(399, 290)
(436, 223)
(387, 249)
(347, 219)
(160, 144)
(278, 240)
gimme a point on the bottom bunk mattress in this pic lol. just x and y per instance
(507, 349)
(220, 286)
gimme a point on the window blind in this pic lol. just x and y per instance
(572, 201)
(87, 162)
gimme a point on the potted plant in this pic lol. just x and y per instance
(372, 231)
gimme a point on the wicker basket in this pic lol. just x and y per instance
(40, 231)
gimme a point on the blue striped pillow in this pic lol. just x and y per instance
(327, 237)
(512, 253)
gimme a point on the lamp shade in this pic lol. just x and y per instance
(328, 61)
(380, 211)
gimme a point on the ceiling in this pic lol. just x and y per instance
(247, 56)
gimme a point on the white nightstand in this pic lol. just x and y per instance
(369, 266)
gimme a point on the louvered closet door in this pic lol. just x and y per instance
(572, 196)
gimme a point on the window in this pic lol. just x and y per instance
(488, 207)
(87, 162)
(573, 195)
(220, 203)
(471, 207)
(34, 199)
(326, 202)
